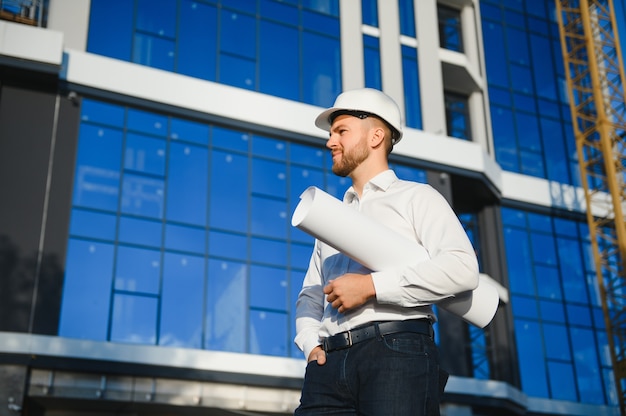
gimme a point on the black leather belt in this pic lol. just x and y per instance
(359, 334)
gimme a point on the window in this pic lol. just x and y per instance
(529, 112)
(450, 33)
(558, 317)
(371, 50)
(457, 116)
(266, 46)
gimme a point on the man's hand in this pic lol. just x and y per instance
(318, 354)
(349, 291)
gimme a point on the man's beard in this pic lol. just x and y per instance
(351, 160)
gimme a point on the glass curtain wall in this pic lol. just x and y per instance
(289, 49)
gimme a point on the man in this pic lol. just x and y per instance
(367, 335)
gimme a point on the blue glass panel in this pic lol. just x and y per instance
(300, 254)
(524, 307)
(513, 217)
(237, 34)
(104, 41)
(371, 57)
(230, 139)
(228, 245)
(504, 138)
(407, 18)
(139, 231)
(409, 173)
(268, 147)
(268, 288)
(572, 273)
(157, 17)
(410, 78)
(556, 339)
(142, 196)
(301, 179)
(144, 154)
(519, 261)
(102, 113)
(321, 74)
(269, 218)
(522, 79)
(518, 46)
(197, 40)
(495, 51)
(182, 238)
(329, 7)
(531, 163)
(229, 191)
(154, 52)
(279, 11)
(336, 185)
(187, 184)
(242, 5)
(182, 301)
(306, 155)
(588, 373)
(227, 294)
(147, 122)
(268, 333)
(369, 10)
(278, 60)
(92, 224)
(552, 311)
(598, 317)
(603, 349)
(562, 381)
(189, 131)
(528, 131)
(269, 178)
(514, 19)
(96, 182)
(488, 11)
(86, 290)
(268, 251)
(539, 222)
(543, 248)
(543, 70)
(531, 357)
(134, 319)
(500, 96)
(579, 315)
(525, 102)
(238, 72)
(137, 270)
(316, 22)
(555, 152)
(549, 283)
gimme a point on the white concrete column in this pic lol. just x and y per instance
(431, 78)
(352, 64)
(390, 51)
(72, 19)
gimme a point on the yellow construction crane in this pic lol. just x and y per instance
(595, 74)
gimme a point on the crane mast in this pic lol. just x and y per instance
(595, 74)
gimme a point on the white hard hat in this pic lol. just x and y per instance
(362, 102)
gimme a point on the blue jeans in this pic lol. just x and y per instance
(393, 375)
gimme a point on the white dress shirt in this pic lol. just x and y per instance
(447, 265)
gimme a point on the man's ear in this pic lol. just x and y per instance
(377, 137)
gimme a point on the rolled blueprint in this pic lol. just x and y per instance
(378, 247)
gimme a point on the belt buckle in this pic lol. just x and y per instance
(349, 340)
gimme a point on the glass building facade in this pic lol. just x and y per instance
(181, 142)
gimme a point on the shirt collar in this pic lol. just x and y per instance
(381, 182)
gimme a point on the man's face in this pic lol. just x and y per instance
(348, 144)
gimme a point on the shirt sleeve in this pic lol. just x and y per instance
(310, 305)
(452, 266)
